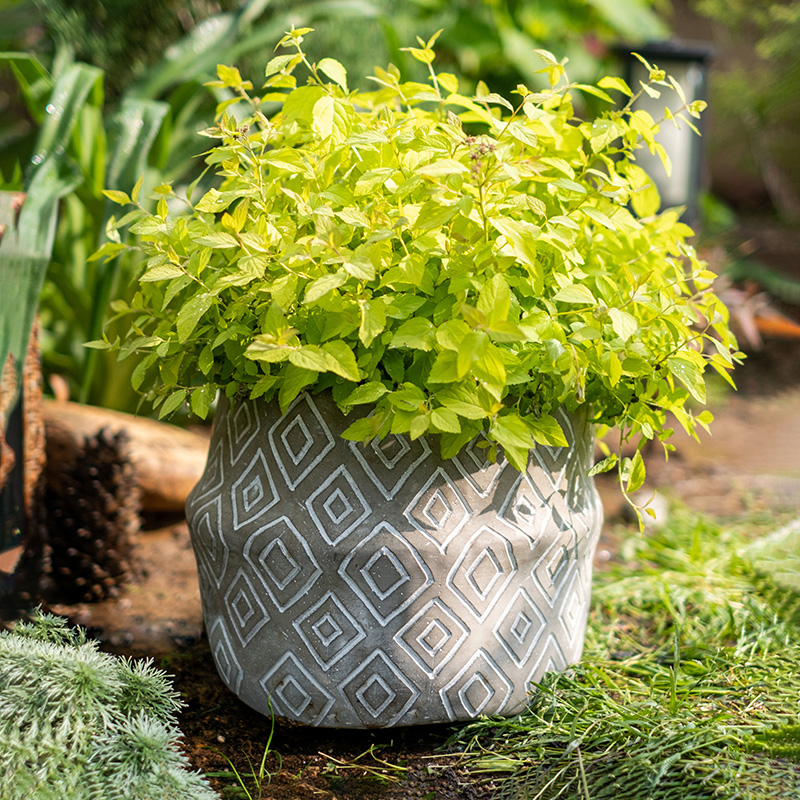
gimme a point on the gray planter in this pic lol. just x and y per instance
(352, 586)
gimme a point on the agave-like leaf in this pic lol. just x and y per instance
(133, 130)
(28, 241)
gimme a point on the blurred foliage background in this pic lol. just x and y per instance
(94, 94)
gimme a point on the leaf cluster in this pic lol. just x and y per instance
(460, 263)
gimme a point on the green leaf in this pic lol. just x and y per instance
(636, 473)
(623, 323)
(121, 198)
(417, 333)
(172, 403)
(341, 360)
(295, 379)
(575, 293)
(419, 425)
(365, 393)
(330, 119)
(606, 465)
(278, 63)
(445, 420)
(442, 168)
(690, 375)
(373, 321)
(472, 347)
(495, 299)
(334, 70)
(201, 400)
(609, 82)
(462, 402)
(299, 104)
(310, 357)
(547, 431)
(162, 272)
(522, 133)
(599, 217)
(362, 430)
(511, 432)
(361, 270)
(190, 314)
(218, 240)
(321, 286)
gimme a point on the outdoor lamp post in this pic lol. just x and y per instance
(687, 62)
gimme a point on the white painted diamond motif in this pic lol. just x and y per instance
(282, 562)
(338, 506)
(439, 510)
(248, 613)
(481, 687)
(293, 691)
(483, 571)
(329, 630)
(379, 691)
(300, 441)
(432, 636)
(253, 493)
(520, 627)
(386, 572)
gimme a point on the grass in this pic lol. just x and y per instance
(689, 687)
(252, 782)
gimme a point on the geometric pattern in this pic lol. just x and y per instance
(351, 585)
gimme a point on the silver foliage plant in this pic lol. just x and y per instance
(80, 724)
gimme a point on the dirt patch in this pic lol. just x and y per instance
(407, 763)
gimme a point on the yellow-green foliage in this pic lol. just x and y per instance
(460, 263)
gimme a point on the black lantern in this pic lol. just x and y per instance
(687, 62)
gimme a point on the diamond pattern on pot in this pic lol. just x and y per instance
(524, 509)
(551, 568)
(385, 586)
(210, 548)
(432, 636)
(439, 510)
(228, 666)
(300, 441)
(246, 612)
(293, 691)
(338, 506)
(551, 659)
(391, 461)
(253, 492)
(386, 572)
(574, 606)
(520, 627)
(243, 427)
(481, 687)
(329, 630)
(282, 560)
(484, 569)
(473, 463)
(379, 691)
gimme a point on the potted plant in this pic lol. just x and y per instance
(418, 305)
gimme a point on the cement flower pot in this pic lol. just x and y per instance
(352, 586)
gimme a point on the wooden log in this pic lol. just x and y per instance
(169, 460)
